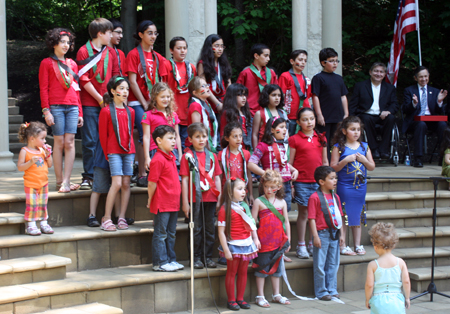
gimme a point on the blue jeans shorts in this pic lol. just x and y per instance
(66, 119)
(303, 191)
(102, 180)
(288, 195)
(121, 164)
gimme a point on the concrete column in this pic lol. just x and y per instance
(210, 17)
(299, 24)
(177, 21)
(197, 33)
(6, 162)
(332, 27)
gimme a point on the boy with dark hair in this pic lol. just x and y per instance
(257, 75)
(325, 221)
(329, 94)
(97, 63)
(181, 72)
(296, 88)
(162, 181)
(117, 35)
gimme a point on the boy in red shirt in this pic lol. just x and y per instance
(116, 37)
(206, 193)
(296, 88)
(325, 221)
(163, 179)
(97, 63)
(257, 75)
(180, 73)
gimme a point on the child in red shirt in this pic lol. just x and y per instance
(325, 221)
(206, 193)
(116, 124)
(163, 179)
(296, 88)
(257, 75)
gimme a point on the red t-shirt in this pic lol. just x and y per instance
(248, 79)
(291, 98)
(112, 69)
(107, 136)
(155, 118)
(308, 155)
(181, 99)
(51, 90)
(196, 107)
(208, 196)
(164, 173)
(235, 165)
(237, 228)
(133, 64)
(315, 211)
(223, 123)
(266, 155)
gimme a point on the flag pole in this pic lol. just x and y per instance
(418, 32)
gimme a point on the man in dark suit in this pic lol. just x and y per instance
(374, 101)
(422, 100)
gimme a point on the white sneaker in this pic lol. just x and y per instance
(302, 253)
(165, 267)
(310, 249)
(177, 265)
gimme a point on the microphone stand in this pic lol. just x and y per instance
(192, 168)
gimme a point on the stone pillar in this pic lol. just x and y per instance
(177, 21)
(299, 24)
(6, 162)
(197, 33)
(332, 27)
(210, 17)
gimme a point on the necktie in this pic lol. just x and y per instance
(423, 102)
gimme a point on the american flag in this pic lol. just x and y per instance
(407, 20)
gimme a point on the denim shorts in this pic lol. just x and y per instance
(66, 119)
(303, 191)
(121, 164)
(288, 195)
(102, 180)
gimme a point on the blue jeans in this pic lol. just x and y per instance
(303, 191)
(121, 164)
(138, 113)
(66, 119)
(183, 134)
(163, 242)
(288, 196)
(326, 265)
(89, 139)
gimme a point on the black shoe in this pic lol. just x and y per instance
(129, 221)
(86, 184)
(142, 182)
(198, 264)
(385, 156)
(243, 305)
(210, 263)
(92, 222)
(418, 163)
(375, 154)
(326, 298)
(233, 306)
(222, 261)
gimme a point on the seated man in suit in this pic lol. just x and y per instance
(421, 100)
(374, 101)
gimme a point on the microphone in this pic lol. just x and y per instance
(191, 161)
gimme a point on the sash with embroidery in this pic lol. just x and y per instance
(300, 93)
(226, 166)
(207, 116)
(244, 211)
(118, 60)
(258, 76)
(206, 170)
(217, 82)
(274, 211)
(189, 76)
(332, 216)
(64, 73)
(101, 57)
(148, 76)
(115, 123)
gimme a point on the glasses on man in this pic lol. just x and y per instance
(217, 46)
(333, 61)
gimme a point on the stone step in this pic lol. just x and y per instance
(12, 110)
(421, 278)
(14, 128)
(406, 199)
(92, 308)
(15, 147)
(417, 237)
(9, 92)
(12, 101)
(25, 270)
(396, 185)
(15, 119)
(13, 138)
(11, 223)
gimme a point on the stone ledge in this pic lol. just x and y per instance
(420, 274)
(422, 232)
(407, 195)
(11, 218)
(18, 265)
(406, 213)
(93, 308)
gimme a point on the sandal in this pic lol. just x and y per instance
(232, 305)
(262, 301)
(122, 224)
(107, 225)
(281, 300)
(243, 305)
(360, 250)
(347, 251)
(58, 186)
(64, 188)
(74, 186)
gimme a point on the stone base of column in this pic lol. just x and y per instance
(6, 162)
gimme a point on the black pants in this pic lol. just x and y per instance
(420, 128)
(206, 241)
(370, 121)
(330, 129)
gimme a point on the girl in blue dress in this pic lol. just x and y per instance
(351, 159)
(387, 274)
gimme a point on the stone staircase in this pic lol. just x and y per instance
(71, 270)
(15, 120)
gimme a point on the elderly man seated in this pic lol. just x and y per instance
(375, 102)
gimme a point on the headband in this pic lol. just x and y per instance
(26, 125)
(274, 119)
(118, 79)
(64, 32)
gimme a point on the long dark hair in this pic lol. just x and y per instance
(227, 132)
(340, 138)
(141, 28)
(445, 141)
(207, 57)
(322, 141)
(230, 106)
(115, 81)
(226, 198)
(264, 99)
(268, 136)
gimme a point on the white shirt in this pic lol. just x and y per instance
(375, 109)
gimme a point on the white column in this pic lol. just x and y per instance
(196, 28)
(6, 162)
(210, 17)
(299, 24)
(332, 27)
(177, 21)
